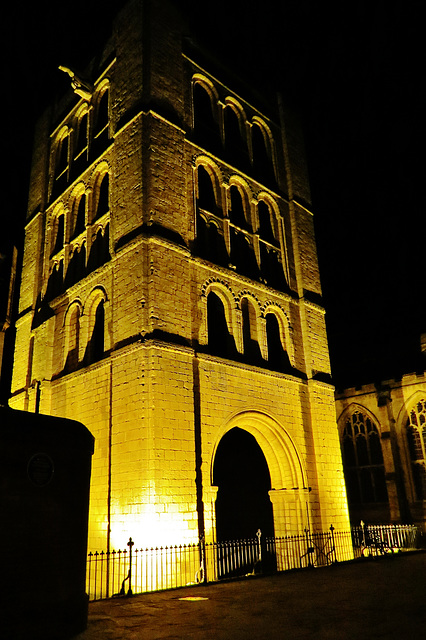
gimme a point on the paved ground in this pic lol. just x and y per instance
(383, 598)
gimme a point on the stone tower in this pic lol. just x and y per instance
(170, 290)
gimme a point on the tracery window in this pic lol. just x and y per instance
(363, 460)
(416, 436)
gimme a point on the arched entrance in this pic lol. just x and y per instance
(289, 490)
(242, 476)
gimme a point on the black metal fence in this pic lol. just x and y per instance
(374, 540)
(130, 570)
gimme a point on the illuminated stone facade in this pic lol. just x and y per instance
(383, 435)
(171, 292)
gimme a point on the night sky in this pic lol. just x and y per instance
(355, 71)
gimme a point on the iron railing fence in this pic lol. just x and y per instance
(130, 570)
(376, 540)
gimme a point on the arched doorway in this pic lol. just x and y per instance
(289, 488)
(242, 476)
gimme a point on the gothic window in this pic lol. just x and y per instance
(363, 460)
(96, 345)
(58, 234)
(206, 128)
(277, 355)
(416, 436)
(220, 340)
(250, 336)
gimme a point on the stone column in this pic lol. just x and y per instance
(291, 510)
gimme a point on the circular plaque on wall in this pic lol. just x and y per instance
(40, 469)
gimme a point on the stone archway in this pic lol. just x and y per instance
(289, 491)
(242, 476)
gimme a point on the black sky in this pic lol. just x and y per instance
(356, 72)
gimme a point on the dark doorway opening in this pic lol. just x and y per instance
(240, 471)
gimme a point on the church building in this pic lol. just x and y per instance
(171, 299)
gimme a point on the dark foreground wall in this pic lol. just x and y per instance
(45, 466)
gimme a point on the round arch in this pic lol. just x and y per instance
(284, 327)
(289, 492)
(283, 459)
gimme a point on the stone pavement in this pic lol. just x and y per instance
(380, 598)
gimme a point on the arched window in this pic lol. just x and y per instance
(220, 341)
(96, 346)
(79, 217)
(277, 355)
(58, 234)
(99, 251)
(61, 160)
(76, 267)
(102, 197)
(102, 114)
(363, 460)
(235, 146)
(236, 211)
(416, 437)
(266, 227)
(243, 257)
(250, 334)
(81, 142)
(271, 267)
(73, 336)
(206, 128)
(55, 282)
(263, 169)
(62, 156)
(210, 242)
(206, 195)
